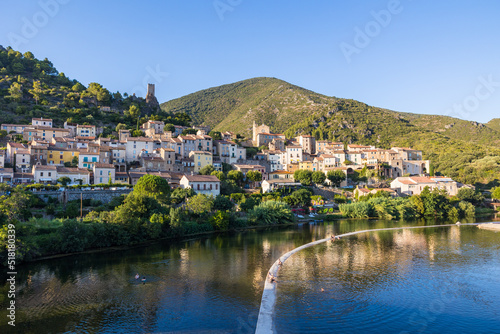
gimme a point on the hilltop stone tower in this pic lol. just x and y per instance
(151, 98)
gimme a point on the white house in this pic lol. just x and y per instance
(270, 185)
(75, 174)
(201, 184)
(45, 174)
(293, 154)
(136, 145)
(103, 173)
(415, 184)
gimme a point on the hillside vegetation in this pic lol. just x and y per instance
(30, 87)
(467, 151)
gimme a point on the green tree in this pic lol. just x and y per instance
(200, 203)
(78, 87)
(495, 193)
(470, 195)
(120, 126)
(248, 204)
(189, 132)
(222, 203)
(133, 112)
(220, 220)
(137, 208)
(179, 195)
(154, 186)
(318, 177)
(169, 127)
(3, 133)
(100, 93)
(37, 91)
(15, 92)
(235, 175)
(216, 135)
(304, 176)
(137, 133)
(254, 176)
(336, 177)
(207, 170)
(64, 180)
(302, 197)
(220, 175)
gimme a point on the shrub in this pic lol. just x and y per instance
(271, 213)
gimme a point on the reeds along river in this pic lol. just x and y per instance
(429, 280)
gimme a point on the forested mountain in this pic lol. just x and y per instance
(467, 151)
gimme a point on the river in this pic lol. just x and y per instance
(429, 280)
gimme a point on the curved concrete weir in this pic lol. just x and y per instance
(265, 323)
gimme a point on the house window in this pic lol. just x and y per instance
(100, 173)
(50, 174)
(198, 186)
(41, 174)
(216, 186)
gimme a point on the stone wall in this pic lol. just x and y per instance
(104, 196)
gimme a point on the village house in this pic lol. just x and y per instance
(14, 128)
(23, 160)
(6, 174)
(360, 191)
(229, 152)
(77, 175)
(201, 184)
(104, 173)
(293, 154)
(308, 143)
(59, 155)
(195, 143)
(201, 159)
(272, 185)
(42, 122)
(11, 151)
(85, 131)
(43, 132)
(152, 128)
(275, 159)
(44, 174)
(135, 145)
(281, 175)
(414, 185)
(2, 158)
(87, 159)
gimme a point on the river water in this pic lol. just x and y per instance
(443, 280)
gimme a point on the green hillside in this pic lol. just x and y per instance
(494, 124)
(30, 87)
(467, 151)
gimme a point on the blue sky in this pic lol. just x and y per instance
(409, 55)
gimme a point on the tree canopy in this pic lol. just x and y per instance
(153, 185)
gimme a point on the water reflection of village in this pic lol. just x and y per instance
(376, 251)
(213, 282)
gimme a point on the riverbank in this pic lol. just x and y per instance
(324, 217)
